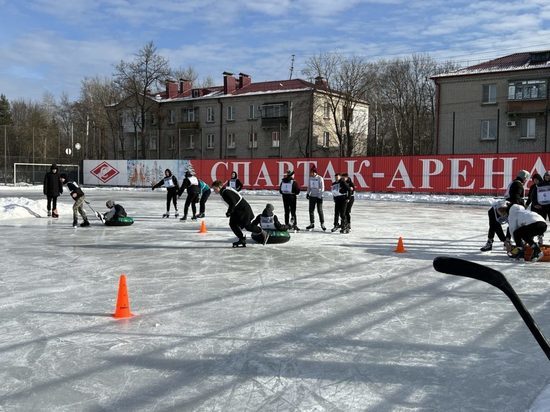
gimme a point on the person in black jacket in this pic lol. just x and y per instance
(52, 189)
(339, 191)
(349, 204)
(115, 211)
(515, 192)
(191, 183)
(234, 182)
(239, 212)
(290, 190)
(79, 198)
(170, 182)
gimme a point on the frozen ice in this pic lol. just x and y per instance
(327, 321)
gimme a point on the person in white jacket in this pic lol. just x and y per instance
(524, 226)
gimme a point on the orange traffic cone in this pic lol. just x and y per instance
(400, 248)
(203, 227)
(122, 309)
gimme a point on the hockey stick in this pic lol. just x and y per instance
(460, 267)
(97, 214)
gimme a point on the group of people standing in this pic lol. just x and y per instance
(526, 220)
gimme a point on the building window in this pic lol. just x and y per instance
(230, 140)
(528, 128)
(196, 93)
(187, 115)
(153, 119)
(326, 111)
(230, 113)
(275, 139)
(210, 141)
(326, 139)
(527, 90)
(489, 94)
(172, 142)
(209, 114)
(171, 116)
(252, 140)
(274, 110)
(251, 112)
(488, 129)
(191, 142)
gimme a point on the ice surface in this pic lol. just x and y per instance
(325, 322)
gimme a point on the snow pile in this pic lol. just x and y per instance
(21, 207)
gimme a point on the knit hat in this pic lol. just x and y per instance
(269, 207)
(188, 174)
(313, 169)
(110, 204)
(523, 175)
(63, 176)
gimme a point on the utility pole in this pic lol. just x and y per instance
(291, 67)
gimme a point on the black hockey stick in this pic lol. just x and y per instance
(460, 267)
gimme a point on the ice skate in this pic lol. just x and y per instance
(49, 213)
(85, 223)
(295, 228)
(54, 214)
(184, 218)
(201, 215)
(75, 223)
(310, 227)
(488, 246)
(335, 228)
(537, 253)
(166, 215)
(323, 227)
(240, 243)
(194, 217)
(176, 215)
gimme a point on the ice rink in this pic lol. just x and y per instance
(325, 322)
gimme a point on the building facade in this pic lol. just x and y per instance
(499, 106)
(241, 119)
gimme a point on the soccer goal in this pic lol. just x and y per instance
(33, 173)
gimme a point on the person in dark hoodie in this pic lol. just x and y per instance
(234, 182)
(191, 183)
(269, 224)
(52, 189)
(238, 211)
(516, 191)
(340, 191)
(349, 203)
(290, 190)
(79, 198)
(170, 182)
(532, 198)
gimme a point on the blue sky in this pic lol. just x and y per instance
(49, 46)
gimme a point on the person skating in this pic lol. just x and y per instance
(79, 198)
(349, 203)
(204, 195)
(339, 191)
(53, 188)
(290, 190)
(524, 226)
(170, 182)
(315, 189)
(191, 183)
(238, 211)
(498, 216)
(234, 182)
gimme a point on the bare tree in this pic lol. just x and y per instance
(146, 72)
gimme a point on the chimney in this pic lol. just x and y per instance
(171, 89)
(185, 87)
(321, 82)
(229, 83)
(244, 80)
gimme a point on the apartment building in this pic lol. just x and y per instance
(240, 119)
(499, 106)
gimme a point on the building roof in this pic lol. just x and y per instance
(512, 62)
(274, 86)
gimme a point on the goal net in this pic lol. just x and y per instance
(33, 173)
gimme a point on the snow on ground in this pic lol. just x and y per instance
(324, 322)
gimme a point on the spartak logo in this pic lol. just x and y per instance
(104, 172)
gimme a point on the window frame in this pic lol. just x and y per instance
(209, 114)
(486, 96)
(486, 127)
(231, 141)
(325, 143)
(210, 139)
(252, 140)
(527, 121)
(275, 139)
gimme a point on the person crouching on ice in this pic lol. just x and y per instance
(239, 212)
(524, 226)
(498, 216)
(115, 211)
(268, 222)
(78, 195)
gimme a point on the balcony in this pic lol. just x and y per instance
(188, 125)
(526, 106)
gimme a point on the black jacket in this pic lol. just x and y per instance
(191, 189)
(232, 198)
(278, 225)
(170, 189)
(76, 191)
(295, 187)
(516, 192)
(52, 185)
(236, 182)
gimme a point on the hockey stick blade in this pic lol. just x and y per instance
(461, 267)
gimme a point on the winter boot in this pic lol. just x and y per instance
(488, 246)
(166, 215)
(323, 227)
(240, 243)
(537, 253)
(75, 223)
(85, 223)
(311, 226)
